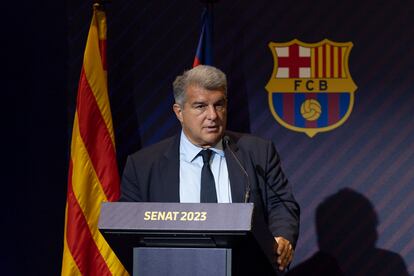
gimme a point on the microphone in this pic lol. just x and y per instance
(260, 172)
(226, 140)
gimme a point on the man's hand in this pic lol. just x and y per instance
(284, 250)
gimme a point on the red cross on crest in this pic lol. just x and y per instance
(294, 61)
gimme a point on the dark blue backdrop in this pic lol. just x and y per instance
(150, 42)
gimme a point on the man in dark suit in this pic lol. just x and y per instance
(206, 163)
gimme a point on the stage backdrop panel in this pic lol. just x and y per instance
(355, 182)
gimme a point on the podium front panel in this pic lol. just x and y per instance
(153, 261)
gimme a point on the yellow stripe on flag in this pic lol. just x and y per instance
(69, 266)
(95, 73)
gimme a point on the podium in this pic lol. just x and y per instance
(193, 238)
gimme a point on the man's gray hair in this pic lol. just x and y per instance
(204, 76)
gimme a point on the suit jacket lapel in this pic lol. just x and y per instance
(170, 172)
(238, 180)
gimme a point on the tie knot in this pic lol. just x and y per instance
(206, 154)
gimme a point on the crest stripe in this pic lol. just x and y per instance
(333, 108)
(336, 62)
(320, 62)
(278, 103)
(341, 59)
(344, 104)
(332, 61)
(323, 61)
(299, 99)
(315, 50)
(289, 113)
(328, 60)
(323, 119)
(312, 50)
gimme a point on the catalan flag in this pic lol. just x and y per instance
(93, 174)
(204, 54)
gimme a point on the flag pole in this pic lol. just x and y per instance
(100, 4)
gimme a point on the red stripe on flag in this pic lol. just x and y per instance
(333, 108)
(97, 139)
(102, 50)
(289, 108)
(311, 124)
(79, 238)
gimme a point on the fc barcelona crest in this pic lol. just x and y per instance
(311, 89)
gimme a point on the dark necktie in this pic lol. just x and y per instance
(208, 188)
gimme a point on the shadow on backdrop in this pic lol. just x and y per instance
(346, 225)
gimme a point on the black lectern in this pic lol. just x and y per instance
(233, 234)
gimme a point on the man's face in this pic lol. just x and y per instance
(203, 115)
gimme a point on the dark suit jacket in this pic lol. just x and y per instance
(152, 175)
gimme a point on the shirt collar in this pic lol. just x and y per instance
(189, 151)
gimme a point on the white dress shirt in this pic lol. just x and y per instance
(190, 172)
